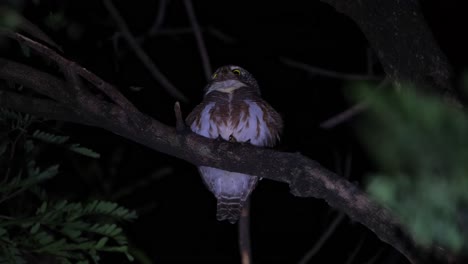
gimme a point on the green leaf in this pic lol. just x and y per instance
(3, 231)
(48, 173)
(43, 238)
(50, 138)
(3, 147)
(84, 151)
(42, 208)
(101, 243)
(420, 145)
(9, 18)
(35, 228)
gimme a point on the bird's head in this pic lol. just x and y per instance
(228, 78)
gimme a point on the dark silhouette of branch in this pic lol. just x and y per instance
(24, 25)
(141, 54)
(350, 112)
(344, 116)
(244, 234)
(398, 34)
(199, 37)
(180, 124)
(305, 177)
(355, 251)
(328, 73)
(40, 107)
(159, 18)
(318, 245)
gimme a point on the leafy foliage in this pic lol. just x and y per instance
(38, 228)
(60, 140)
(68, 231)
(421, 147)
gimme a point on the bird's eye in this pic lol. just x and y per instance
(214, 76)
(236, 72)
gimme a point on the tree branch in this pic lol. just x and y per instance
(141, 54)
(328, 73)
(199, 37)
(39, 107)
(404, 44)
(306, 178)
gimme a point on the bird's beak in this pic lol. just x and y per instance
(225, 74)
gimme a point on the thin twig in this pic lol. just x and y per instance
(159, 18)
(141, 54)
(46, 52)
(27, 26)
(215, 32)
(343, 116)
(244, 234)
(355, 251)
(318, 245)
(142, 183)
(189, 30)
(328, 73)
(375, 257)
(198, 36)
(350, 112)
(180, 125)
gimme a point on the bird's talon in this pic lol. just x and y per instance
(232, 139)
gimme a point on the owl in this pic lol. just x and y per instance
(233, 110)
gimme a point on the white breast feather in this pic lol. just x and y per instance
(226, 86)
(231, 184)
(255, 119)
(204, 129)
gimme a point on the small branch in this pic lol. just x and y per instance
(244, 234)
(46, 52)
(344, 116)
(180, 124)
(189, 30)
(159, 18)
(141, 54)
(27, 26)
(198, 36)
(328, 73)
(40, 107)
(105, 87)
(403, 42)
(375, 257)
(220, 35)
(318, 245)
(355, 251)
(41, 82)
(350, 112)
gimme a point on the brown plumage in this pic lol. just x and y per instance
(233, 110)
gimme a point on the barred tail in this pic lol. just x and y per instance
(229, 209)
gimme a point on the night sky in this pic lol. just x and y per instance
(177, 222)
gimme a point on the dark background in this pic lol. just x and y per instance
(177, 220)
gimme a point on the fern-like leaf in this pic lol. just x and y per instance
(84, 151)
(50, 138)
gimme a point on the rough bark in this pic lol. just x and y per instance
(390, 27)
(306, 178)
